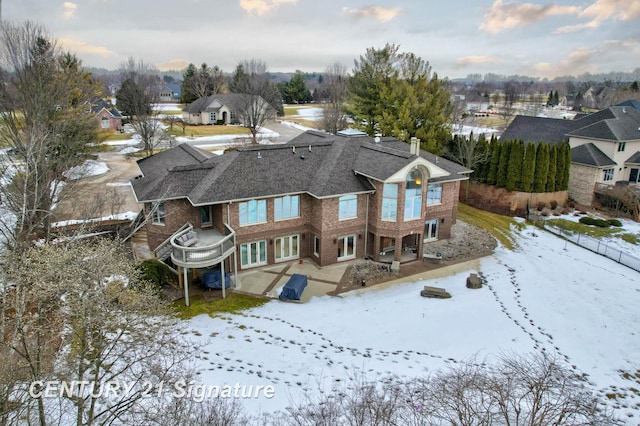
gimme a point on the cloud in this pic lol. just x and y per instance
(503, 16)
(260, 7)
(577, 60)
(474, 60)
(382, 14)
(173, 64)
(79, 46)
(69, 9)
(604, 10)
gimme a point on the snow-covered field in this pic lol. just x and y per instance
(544, 296)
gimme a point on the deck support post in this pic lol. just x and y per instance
(186, 286)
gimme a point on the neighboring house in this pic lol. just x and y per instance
(223, 108)
(108, 116)
(327, 197)
(605, 146)
(170, 92)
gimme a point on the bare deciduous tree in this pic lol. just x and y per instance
(334, 116)
(138, 98)
(45, 122)
(258, 96)
(516, 390)
(80, 313)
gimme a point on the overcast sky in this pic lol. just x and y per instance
(457, 37)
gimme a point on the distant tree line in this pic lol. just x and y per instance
(514, 165)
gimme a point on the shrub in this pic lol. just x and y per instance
(602, 223)
(155, 272)
(553, 204)
(614, 222)
(587, 220)
(540, 206)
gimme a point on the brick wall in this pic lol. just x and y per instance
(318, 217)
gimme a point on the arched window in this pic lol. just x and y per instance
(413, 195)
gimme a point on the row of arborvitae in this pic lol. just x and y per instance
(532, 167)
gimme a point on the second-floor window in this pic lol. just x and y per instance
(608, 174)
(390, 202)
(434, 193)
(157, 213)
(254, 211)
(413, 196)
(622, 146)
(348, 207)
(286, 207)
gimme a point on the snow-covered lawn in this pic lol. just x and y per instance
(544, 296)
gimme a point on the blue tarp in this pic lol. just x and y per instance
(293, 289)
(213, 280)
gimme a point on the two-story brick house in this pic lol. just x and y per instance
(327, 197)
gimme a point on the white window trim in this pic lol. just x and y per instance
(355, 243)
(257, 222)
(288, 217)
(156, 218)
(316, 242)
(259, 263)
(440, 201)
(382, 209)
(350, 200)
(290, 239)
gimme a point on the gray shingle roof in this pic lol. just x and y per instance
(634, 159)
(617, 123)
(589, 155)
(316, 163)
(538, 129)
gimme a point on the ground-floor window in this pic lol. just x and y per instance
(287, 248)
(431, 230)
(347, 247)
(316, 246)
(253, 254)
(634, 176)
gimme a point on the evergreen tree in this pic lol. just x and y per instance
(514, 167)
(550, 99)
(553, 168)
(492, 173)
(563, 167)
(635, 87)
(186, 92)
(556, 98)
(542, 168)
(397, 95)
(296, 91)
(503, 163)
(528, 168)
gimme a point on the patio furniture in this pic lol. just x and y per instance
(212, 280)
(293, 289)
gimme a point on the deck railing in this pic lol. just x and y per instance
(200, 256)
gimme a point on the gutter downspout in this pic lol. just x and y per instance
(366, 228)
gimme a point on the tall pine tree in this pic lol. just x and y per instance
(503, 163)
(553, 168)
(542, 168)
(492, 173)
(528, 168)
(514, 166)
